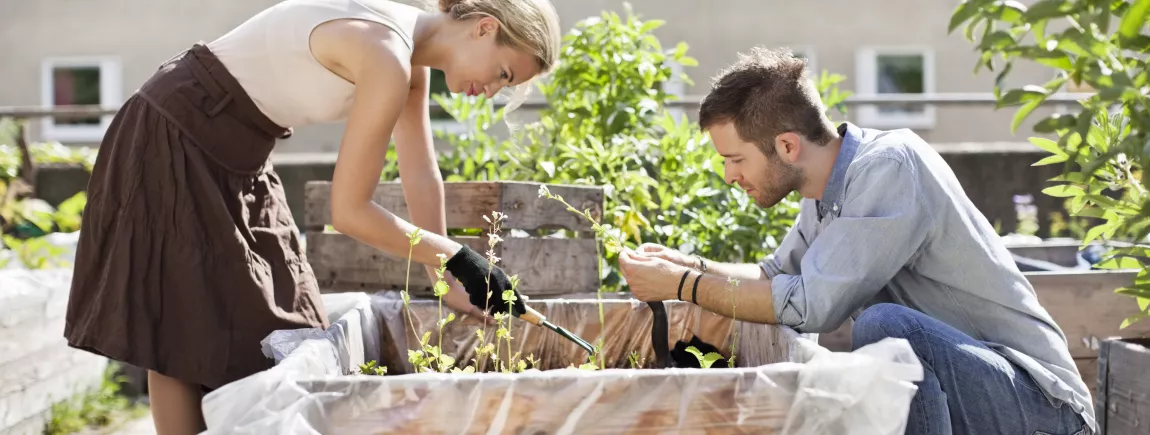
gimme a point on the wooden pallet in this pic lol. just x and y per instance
(545, 265)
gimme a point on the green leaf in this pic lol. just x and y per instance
(1050, 160)
(651, 25)
(1009, 11)
(1064, 191)
(1133, 319)
(1023, 95)
(1046, 9)
(963, 12)
(1134, 19)
(1119, 263)
(1024, 112)
(996, 40)
(710, 359)
(1054, 123)
(1047, 145)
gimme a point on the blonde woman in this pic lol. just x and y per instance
(189, 255)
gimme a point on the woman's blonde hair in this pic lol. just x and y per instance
(528, 25)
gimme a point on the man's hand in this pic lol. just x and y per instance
(672, 255)
(652, 278)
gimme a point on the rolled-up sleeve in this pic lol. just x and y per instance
(882, 224)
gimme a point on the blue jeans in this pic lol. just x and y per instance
(967, 388)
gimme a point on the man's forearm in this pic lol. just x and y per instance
(740, 271)
(750, 301)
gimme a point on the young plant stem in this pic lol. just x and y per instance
(613, 245)
(732, 284)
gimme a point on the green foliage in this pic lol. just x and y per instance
(606, 123)
(705, 361)
(1103, 148)
(100, 407)
(25, 219)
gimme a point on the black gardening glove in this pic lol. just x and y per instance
(472, 270)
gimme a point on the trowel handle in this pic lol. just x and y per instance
(533, 317)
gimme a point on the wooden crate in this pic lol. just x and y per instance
(1082, 303)
(1122, 399)
(545, 265)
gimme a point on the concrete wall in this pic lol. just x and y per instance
(140, 34)
(990, 174)
(37, 368)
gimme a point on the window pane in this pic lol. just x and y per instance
(900, 74)
(76, 86)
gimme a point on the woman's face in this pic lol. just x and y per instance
(480, 66)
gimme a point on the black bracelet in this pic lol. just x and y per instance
(695, 290)
(681, 282)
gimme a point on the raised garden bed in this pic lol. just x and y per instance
(313, 388)
(1122, 404)
(37, 368)
(546, 266)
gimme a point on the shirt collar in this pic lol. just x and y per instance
(833, 195)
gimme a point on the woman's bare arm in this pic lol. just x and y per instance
(418, 167)
(377, 60)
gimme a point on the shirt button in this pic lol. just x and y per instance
(836, 207)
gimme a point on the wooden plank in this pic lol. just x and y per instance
(1123, 404)
(527, 211)
(545, 266)
(1085, 307)
(1061, 253)
(1088, 370)
(468, 202)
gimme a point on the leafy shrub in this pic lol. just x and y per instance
(1104, 148)
(24, 219)
(606, 123)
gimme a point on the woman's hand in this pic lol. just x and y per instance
(458, 300)
(483, 282)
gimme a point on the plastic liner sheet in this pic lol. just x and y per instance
(792, 386)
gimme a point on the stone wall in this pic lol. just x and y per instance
(37, 368)
(990, 173)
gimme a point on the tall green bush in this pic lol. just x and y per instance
(607, 123)
(1104, 147)
(25, 219)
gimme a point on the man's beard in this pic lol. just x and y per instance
(784, 179)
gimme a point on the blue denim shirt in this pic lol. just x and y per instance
(894, 225)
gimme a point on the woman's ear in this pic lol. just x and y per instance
(486, 26)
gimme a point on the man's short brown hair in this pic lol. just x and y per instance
(767, 93)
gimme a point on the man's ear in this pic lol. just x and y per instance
(788, 146)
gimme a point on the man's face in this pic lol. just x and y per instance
(766, 179)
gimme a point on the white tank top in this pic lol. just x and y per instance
(270, 56)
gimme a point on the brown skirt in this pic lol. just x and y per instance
(188, 254)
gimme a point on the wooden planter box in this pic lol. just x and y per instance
(37, 368)
(1122, 401)
(311, 388)
(545, 265)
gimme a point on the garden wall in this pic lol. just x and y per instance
(37, 368)
(991, 174)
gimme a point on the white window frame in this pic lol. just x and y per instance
(111, 96)
(866, 81)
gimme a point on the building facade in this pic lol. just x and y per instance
(100, 51)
